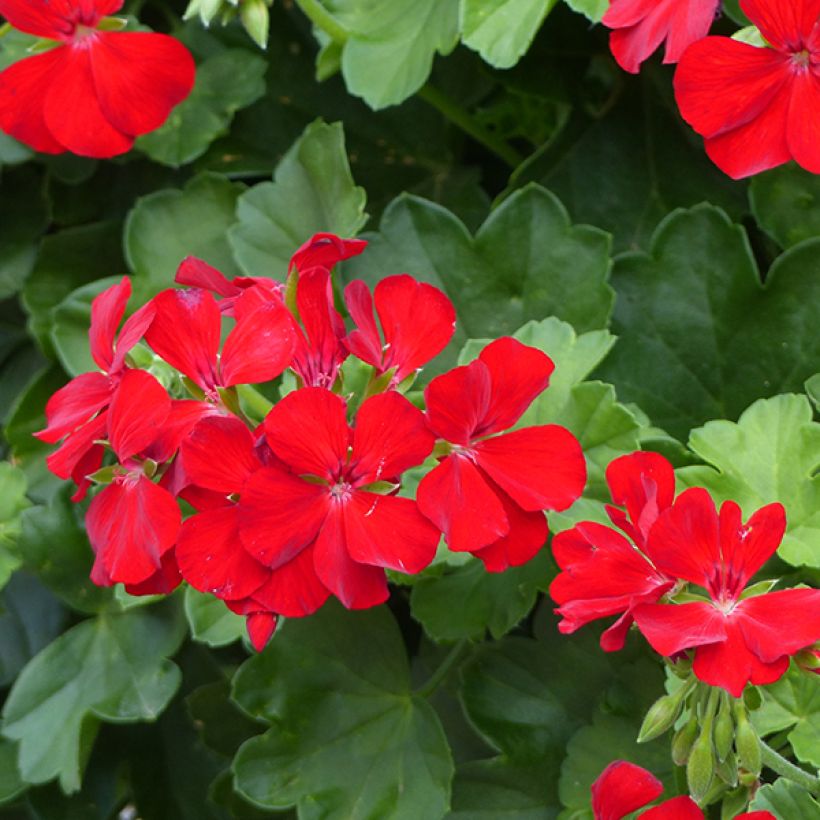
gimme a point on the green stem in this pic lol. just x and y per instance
(440, 675)
(785, 768)
(324, 20)
(5, 29)
(464, 120)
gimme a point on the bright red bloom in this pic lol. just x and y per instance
(487, 495)
(757, 107)
(96, 90)
(736, 640)
(417, 320)
(603, 573)
(640, 26)
(324, 250)
(325, 505)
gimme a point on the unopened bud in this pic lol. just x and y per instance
(662, 715)
(747, 742)
(724, 729)
(700, 768)
(747, 780)
(809, 660)
(683, 741)
(254, 16)
(726, 770)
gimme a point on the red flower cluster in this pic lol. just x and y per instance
(623, 787)
(304, 505)
(95, 90)
(736, 635)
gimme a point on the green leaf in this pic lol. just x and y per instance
(54, 546)
(113, 667)
(12, 152)
(312, 190)
(166, 226)
(486, 600)
(222, 726)
(30, 618)
(793, 703)
(785, 800)
(771, 454)
(390, 45)
(700, 337)
(225, 83)
(593, 9)
(210, 620)
(349, 739)
(813, 389)
(11, 784)
(12, 503)
(786, 204)
(526, 262)
(501, 30)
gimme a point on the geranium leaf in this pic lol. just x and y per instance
(771, 454)
(11, 784)
(312, 190)
(113, 667)
(349, 739)
(501, 30)
(785, 800)
(12, 503)
(211, 622)
(786, 204)
(225, 83)
(700, 336)
(593, 9)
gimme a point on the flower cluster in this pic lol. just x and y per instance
(94, 90)
(755, 101)
(301, 502)
(679, 570)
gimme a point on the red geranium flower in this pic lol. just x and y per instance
(736, 640)
(488, 493)
(325, 504)
(642, 25)
(757, 107)
(603, 573)
(96, 90)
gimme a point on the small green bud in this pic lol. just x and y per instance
(747, 742)
(727, 770)
(683, 741)
(748, 780)
(700, 768)
(661, 716)
(724, 729)
(254, 16)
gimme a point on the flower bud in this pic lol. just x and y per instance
(809, 660)
(724, 729)
(661, 716)
(747, 742)
(254, 16)
(726, 770)
(700, 767)
(683, 740)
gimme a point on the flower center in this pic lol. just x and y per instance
(341, 490)
(83, 36)
(801, 59)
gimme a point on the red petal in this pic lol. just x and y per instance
(308, 430)
(138, 409)
(364, 341)
(166, 579)
(779, 623)
(678, 808)
(75, 448)
(185, 413)
(199, 274)
(89, 463)
(803, 129)
(458, 499)
(260, 626)
(23, 87)
(185, 332)
(107, 310)
(130, 333)
(357, 586)
(721, 84)
(294, 589)
(684, 542)
(39, 17)
(632, 42)
(324, 250)
(644, 483)
(528, 533)
(389, 437)
(130, 526)
(417, 319)
(212, 559)
(621, 788)
(518, 373)
(74, 404)
(388, 531)
(259, 347)
(72, 110)
(785, 25)
(280, 515)
(139, 77)
(457, 402)
(731, 665)
(747, 547)
(671, 628)
(219, 454)
(541, 468)
(691, 22)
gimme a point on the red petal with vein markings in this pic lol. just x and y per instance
(75, 448)
(671, 628)
(364, 340)
(678, 808)
(803, 125)
(107, 310)
(783, 24)
(294, 589)
(621, 788)
(457, 402)
(528, 533)
(138, 409)
(324, 250)
(260, 626)
(74, 404)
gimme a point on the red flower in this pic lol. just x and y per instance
(96, 90)
(603, 573)
(417, 320)
(324, 250)
(757, 107)
(736, 640)
(488, 493)
(642, 25)
(324, 504)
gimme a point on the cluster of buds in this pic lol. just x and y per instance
(253, 14)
